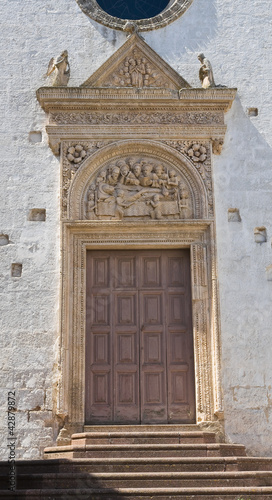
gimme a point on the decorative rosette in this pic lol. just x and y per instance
(197, 153)
(76, 154)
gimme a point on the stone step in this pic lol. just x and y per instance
(144, 480)
(226, 493)
(184, 428)
(136, 464)
(138, 437)
(145, 450)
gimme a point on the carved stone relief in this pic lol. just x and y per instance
(217, 146)
(137, 71)
(73, 155)
(138, 118)
(138, 188)
(200, 156)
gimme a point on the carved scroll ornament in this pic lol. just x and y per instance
(138, 188)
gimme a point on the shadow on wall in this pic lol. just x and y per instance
(192, 32)
(245, 161)
(189, 32)
(61, 476)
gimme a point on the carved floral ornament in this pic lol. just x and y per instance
(138, 118)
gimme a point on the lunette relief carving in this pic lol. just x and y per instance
(137, 187)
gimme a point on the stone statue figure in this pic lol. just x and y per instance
(61, 67)
(205, 72)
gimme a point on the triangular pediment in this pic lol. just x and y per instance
(135, 64)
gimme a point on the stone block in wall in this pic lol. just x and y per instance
(4, 240)
(37, 214)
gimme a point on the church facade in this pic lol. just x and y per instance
(135, 229)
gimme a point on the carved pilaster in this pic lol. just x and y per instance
(201, 326)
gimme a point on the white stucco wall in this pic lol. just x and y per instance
(236, 37)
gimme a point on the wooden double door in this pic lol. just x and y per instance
(139, 342)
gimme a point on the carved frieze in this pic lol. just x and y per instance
(137, 118)
(138, 188)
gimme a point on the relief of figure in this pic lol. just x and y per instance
(205, 72)
(148, 177)
(156, 213)
(101, 177)
(124, 171)
(123, 201)
(172, 179)
(113, 177)
(183, 201)
(133, 176)
(135, 71)
(105, 192)
(161, 174)
(61, 67)
(91, 205)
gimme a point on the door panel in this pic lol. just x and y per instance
(180, 364)
(139, 344)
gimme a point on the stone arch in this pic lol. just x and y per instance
(143, 148)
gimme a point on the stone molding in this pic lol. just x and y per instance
(174, 10)
(86, 98)
(80, 236)
(83, 114)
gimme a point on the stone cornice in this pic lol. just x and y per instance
(52, 98)
(113, 113)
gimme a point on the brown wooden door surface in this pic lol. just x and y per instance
(139, 342)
